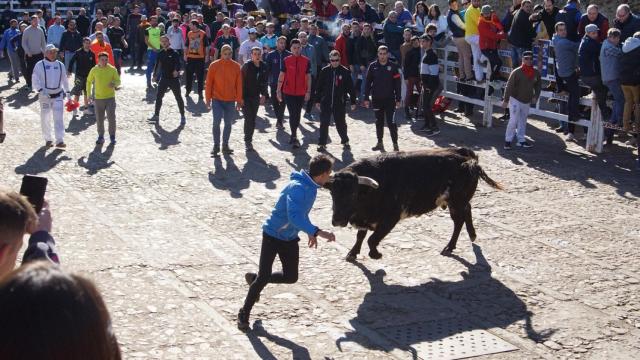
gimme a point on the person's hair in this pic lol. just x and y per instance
(294, 41)
(625, 7)
(593, 6)
(522, 4)
(558, 25)
(164, 37)
(103, 54)
(334, 53)
(383, 47)
(419, 3)
(613, 32)
(86, 38)
(320, 164)
(98, 32)
(226, 47)
(282, 38)
(195, 23)
(48, 313)
(452, 1)
(437, 10)
(256, 48)
(431, 27)
(15, 213)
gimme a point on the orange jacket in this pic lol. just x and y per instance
(490, 33)
(224, 81)
(96, 48)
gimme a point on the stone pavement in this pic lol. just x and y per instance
(167, 233)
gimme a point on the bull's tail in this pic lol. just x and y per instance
(476, 169)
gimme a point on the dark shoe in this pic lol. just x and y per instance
(524, 144)
(186, 94)
(322, 148)
(243, 321)
(379, 147)
(112, 139)
(226, 150)
(507, 145)
(2, 137)
(248, 146)
(100, 140)
(279, 126)
(61, 145)
(396, 147)
(48, 144)
(346, 146)
(216, 151)
(309, 116)
(428, 132)
(295, 143)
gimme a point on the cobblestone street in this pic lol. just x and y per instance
(167, 233)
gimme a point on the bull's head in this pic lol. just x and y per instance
(345, 187)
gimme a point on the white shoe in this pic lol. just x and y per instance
(570, 137)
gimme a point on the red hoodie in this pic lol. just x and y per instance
(491, 32)
(341, 46)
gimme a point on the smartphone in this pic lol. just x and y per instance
(34, 187)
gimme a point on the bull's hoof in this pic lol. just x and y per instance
(374, 254)
(351, 258)
(446, 251)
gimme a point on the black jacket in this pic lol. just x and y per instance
(41, 246)
(522, 32)
(82, 24)
(365, 50)
(84, 61)
(411, 65)
(549, 20)
(630, 67)
(70, 41)
(589, 57)
(167, 62)
(383, 81)
(334, 84)
(254, 80)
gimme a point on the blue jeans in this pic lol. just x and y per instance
(354, 75)
(117, 58)
(516, 56)
(152, 55)
(67, 59)
(618, 101)
(222, 110)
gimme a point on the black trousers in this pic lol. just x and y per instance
(141, 49)
(494, 60)
(23, 64)
(596, 85)
(385, 108)
(573, 104)
(250, 111)
(174, 85)
(430, 85)
(278, 106)
(309, 106)
(289, 255)
(294, 105)
(338, 112)
(195, 66)
(31, 63)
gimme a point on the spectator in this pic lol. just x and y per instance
(14, 59)
(406, 45)
(539, 29)
(244, 54)
(626, 22)
(167, 68)
(97, 19)
(354, 10)
(471, 19)
(431, 87)
(294, 83)
(54, 34)
(142, 44)
(118, 43)
(344, 15)
(630, 67)
(176, 37)
(50, 314)
(275, 65)
(566, 61)
(382, 7)
(99, 45)
(420, 17)
(365, 51)
(593, 16)
(610, 55)
(589, 62)
(68, 18)
(70, 42)
(81, 61)
(440, 21)
(270, 38)
(342, 44)
(570, 15)
(383, 85)
(224, 87)
(404, 15)
(369, 14)
(100, 28)
(17, 218)
(104, 80)
(320, 44)
(216, 26)
(16, 43)
(152, 39)
(491, 32)
(241, 32)
(226, 39)
(310, 52)
(254, 93)
(522, 32)
(549, 16)
(411, 72)
(522, 90)
(325, 10)
(334, 84)
(507, 20)
(457, 27)
(392, 33)
(33, 43)
(196, 56)
(132, 24)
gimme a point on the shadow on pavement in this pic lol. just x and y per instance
(228, 178)
(258, 170)
(478, 293)
(166, 138)
(97, 160)
(41, 162)
(298, 352)
(80, 123)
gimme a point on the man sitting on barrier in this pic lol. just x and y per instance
(566, 61)
(523, 89)
(491, 33)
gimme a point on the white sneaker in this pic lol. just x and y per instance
(570, 137)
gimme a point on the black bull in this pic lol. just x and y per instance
(375, 193)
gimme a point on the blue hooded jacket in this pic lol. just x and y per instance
(291, 213)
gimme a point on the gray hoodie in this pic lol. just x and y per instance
(566, 56)
(609, 61)
(630, 44)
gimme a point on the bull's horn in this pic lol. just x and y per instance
(364, 180)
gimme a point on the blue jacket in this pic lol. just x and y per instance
(566, 55)
(8, 35)
(589, 57)
(610, 61)
(275, 64)
(291, 213)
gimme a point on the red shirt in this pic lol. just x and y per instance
(341, 47)
(295, 71)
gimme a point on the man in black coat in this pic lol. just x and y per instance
(334, 84)
(254, 93)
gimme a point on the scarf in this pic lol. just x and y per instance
(528, 71)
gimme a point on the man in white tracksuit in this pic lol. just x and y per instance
(49, 79)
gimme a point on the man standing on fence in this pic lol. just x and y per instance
(471, 18)
(523, 89)
(33, 43)
(566, 61)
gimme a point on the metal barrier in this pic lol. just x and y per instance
(595, 132)
(58, 5)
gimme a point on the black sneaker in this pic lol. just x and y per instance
(322, 148)
(379, 147)
(396, 147)
(227, 150)
(243, 321)
(249, 147)
(154, 118)
(346, 146)
(279, 126)
(295, 143)
(507, 145)
(524, 144)
(216, 151)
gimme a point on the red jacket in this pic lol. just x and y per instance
(342, 46)
(322, 11)
(491, 32)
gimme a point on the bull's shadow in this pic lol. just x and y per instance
(490, 301)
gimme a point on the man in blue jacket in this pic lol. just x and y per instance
(280, 232)
(275, 64)
(14, 59)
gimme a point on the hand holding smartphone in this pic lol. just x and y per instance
(34, 188)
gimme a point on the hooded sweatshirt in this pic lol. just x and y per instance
(610, 61)
(291, 213)
(630, 62)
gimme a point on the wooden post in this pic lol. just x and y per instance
(595, 135)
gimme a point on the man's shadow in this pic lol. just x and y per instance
(41, 162)
(258, 170)
(97, 160)
(478, 293)
(80, 123)
(229, 178)
(166, 138)
(297, 351)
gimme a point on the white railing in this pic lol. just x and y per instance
(595, 132)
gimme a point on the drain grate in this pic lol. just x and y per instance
(446, 339)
